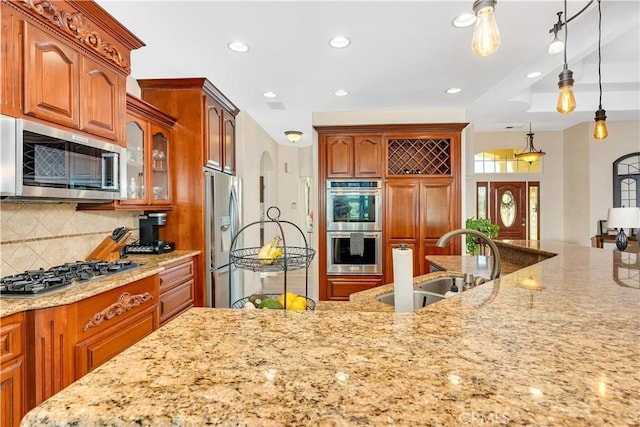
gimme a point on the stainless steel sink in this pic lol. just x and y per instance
(438, 286)
(420, 298)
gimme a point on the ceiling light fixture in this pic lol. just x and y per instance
(339, 42)
(486, 37)
(238, 46)
(556, 45)
(534, 74)
(293, 135)
(600, 132)
(530, 154)
(452, 90)
(341, 92)
(269, 94)
(566, 100)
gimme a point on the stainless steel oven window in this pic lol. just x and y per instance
(354, 252)
(354, 208)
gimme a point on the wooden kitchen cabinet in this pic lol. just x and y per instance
(420, 169)
(191, 101)
(53, 72)
(12, 369)
(353, 156)
(149, 151)
(108, 323)
(417, 213)
(220, 142)
(176, 289)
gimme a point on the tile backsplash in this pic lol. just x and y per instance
(35, 235)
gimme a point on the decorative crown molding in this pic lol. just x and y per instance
(77, 26)
(125, 302)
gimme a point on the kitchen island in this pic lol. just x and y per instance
(554, 343)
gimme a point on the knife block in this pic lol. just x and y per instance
(108, 250)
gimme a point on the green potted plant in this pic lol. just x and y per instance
(483, 225)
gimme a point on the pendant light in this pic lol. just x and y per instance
(486, 37)
(600, 132)
(530, 154)
(566, 101)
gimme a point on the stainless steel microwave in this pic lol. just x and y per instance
(46, 162)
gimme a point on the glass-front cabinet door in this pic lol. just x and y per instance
(136, 161)
(160, 183)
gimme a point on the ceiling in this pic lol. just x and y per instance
(402, 57)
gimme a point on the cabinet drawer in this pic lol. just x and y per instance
(176, 300)
(176, 274)
(102, 311)
(101, 347)
(340, 288)
(11, 337)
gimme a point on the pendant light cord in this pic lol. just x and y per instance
(599, 54)
(566, 30)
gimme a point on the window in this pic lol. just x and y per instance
(626, 181)
(503, 160)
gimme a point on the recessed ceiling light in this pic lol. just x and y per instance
(464, 20)
(269, 94)
(339, 42)
(238, 46)
(453, 90)
(341, 92)
(534, 74)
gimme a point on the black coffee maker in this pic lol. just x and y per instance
(150, 242)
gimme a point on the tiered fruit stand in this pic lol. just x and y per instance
(293, 258)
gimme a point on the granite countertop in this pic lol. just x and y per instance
(555, 343)
(150, 265)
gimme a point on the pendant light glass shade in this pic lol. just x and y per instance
(566, 99)
(486, 37)
(600, 132)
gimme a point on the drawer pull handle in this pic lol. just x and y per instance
(125, 302)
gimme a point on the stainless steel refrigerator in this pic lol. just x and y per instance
(224, 284)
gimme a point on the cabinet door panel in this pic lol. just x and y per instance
(229, 149)
(11, 64)
(435, 203)
(368, 156)
(339, 156)
(50, 78)
(402, 220)
(53, 358)
(96, 350)
(12, 406)
(101, 98)
(213, 134)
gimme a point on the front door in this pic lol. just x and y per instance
(508, 209)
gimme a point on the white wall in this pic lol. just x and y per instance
(576, 183)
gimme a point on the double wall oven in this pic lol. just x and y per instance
(354, 227)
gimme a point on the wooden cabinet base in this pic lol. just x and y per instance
(11, 395)
(340, 287)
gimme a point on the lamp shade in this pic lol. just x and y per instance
(623, 218)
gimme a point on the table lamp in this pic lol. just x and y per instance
(622, 218)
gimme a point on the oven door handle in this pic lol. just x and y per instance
(366, 234)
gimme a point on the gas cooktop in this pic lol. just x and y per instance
(33, 282)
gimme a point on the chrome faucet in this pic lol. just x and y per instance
(495, 269)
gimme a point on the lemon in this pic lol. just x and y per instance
(290, 298)
(300, 303)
